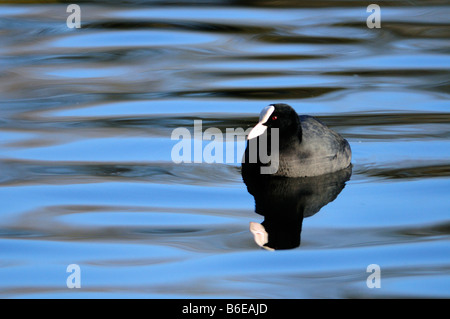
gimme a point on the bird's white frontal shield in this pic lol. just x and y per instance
(260, 128)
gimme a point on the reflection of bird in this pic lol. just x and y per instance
(285, 201)
(306, 147)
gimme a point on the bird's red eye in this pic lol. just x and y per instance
(274, 118)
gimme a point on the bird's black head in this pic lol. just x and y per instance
(285, 118)
(281, 116)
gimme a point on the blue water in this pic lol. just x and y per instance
(87, 178)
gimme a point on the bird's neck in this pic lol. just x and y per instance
(291, 137)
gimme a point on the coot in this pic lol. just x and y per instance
(305, 146)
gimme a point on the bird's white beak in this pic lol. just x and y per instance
(260, 128)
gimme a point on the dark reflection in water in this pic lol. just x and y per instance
(284, 202)
(86, 174)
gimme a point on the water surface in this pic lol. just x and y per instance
(87, 178)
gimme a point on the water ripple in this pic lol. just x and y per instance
(86, 174)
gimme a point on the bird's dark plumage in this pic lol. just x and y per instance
(307, 147)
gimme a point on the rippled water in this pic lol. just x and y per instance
(87, 178)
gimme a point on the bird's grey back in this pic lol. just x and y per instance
(321, 151)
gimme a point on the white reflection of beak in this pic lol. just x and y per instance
(260, 128)
(260, 235)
